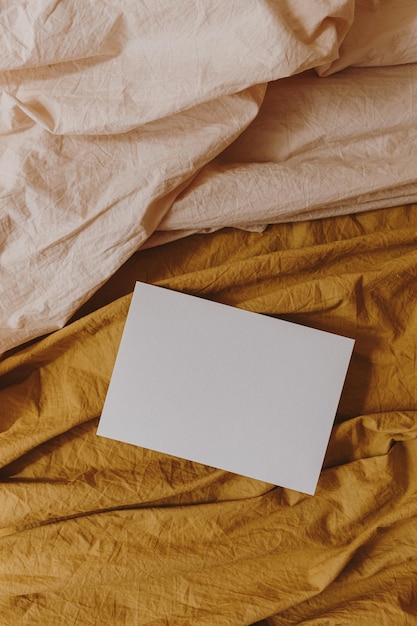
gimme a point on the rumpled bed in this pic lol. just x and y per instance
(261, 155)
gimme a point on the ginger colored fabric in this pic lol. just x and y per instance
(95, 531)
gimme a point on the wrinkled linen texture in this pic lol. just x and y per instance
(125, 125)
(107, 110)
(96, 531)
(113, 113)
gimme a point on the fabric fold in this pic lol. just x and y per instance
(91, 528)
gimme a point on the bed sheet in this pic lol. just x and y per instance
(108, 109)
(95, 531)
(126, 124)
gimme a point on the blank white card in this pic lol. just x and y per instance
(232, 389)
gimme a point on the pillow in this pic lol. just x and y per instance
(384, 32)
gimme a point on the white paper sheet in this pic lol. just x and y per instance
(232, 389)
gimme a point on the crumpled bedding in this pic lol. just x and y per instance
(318, 147)
(96, 531)
(123, 125)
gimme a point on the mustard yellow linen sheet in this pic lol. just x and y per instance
(99, 532)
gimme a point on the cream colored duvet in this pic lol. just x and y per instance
(122, 124)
